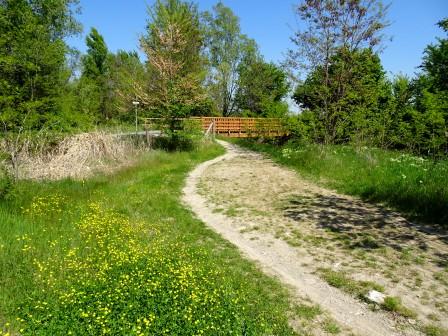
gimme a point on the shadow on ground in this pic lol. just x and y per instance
(359, 225)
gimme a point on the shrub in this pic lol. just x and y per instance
(186, 138)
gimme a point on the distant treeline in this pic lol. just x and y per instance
(197, 64)
(200, 63)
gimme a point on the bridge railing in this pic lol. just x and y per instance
(232, 126)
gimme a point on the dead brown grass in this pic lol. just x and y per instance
(78, 156)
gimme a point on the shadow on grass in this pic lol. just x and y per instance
(360, 225)
(417, 188)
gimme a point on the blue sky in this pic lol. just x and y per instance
(271, 23)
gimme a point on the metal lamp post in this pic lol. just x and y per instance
(136, 104)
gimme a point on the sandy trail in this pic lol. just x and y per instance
(246, 214)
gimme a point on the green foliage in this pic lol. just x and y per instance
(435, 61)
(5, 181)
(94, 86)
(332, 25)
(88, 258)
(106, 88)
(227, 50)
(173, 44)
(32, 61)
(393, 304)
(261, 89)
(184, 17)
(351, 101)
(431, 98)
(94, 63)
(346, 89)
(348, 98)
(186, 135)
(125, 72)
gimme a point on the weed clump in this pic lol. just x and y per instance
(344, 282)
(393, 304)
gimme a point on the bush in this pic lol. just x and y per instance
(186, 138)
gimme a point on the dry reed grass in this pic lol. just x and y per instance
(78, 156)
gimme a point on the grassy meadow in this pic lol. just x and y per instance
(119, 255)
(414, 185)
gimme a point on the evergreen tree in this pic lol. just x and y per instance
(432, 97)
(348, 98)
(435, 61)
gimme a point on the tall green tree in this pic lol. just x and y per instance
(227, 47)
(261, 89)
(95, 62)
(405, 131)
(93, 90)
(173, 43)
(125, 70)
(435, 61)
(348, 98)
(330, 28)
(432, 96)
(32, 60)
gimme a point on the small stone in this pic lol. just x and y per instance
(375, 296)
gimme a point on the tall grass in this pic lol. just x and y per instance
(120, 255)
(414, 185)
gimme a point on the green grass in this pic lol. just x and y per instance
(361, 288)
(331, 327)
(393, 304)
(307, 312)
(416, 186)
(431, 330)
(343, 281)
(232, 212)
(120, 255)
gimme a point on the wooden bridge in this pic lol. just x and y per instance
(232, 127)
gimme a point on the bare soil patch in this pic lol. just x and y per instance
(307, 235)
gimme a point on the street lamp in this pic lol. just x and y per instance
(136, 104)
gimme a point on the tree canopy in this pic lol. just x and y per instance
(33, 61)
(202, 63)
(173, 44)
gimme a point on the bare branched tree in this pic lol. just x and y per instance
(329, 25)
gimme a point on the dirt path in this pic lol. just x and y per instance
(297, 231)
